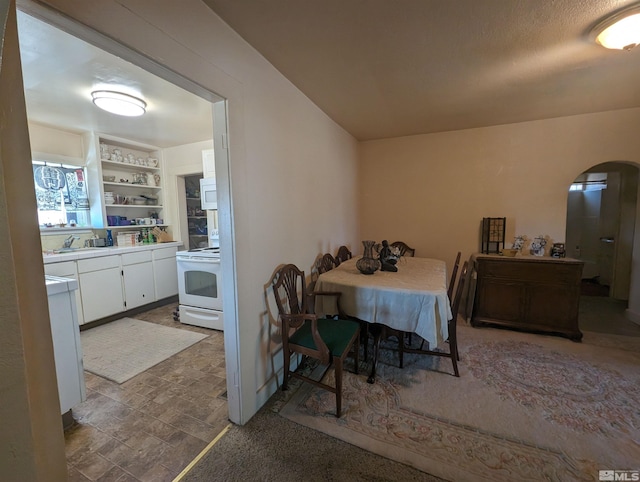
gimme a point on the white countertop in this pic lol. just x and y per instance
(84, 253)
(58, 284)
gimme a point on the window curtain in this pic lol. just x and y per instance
(53, 181)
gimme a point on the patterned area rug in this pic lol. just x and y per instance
(526, 407)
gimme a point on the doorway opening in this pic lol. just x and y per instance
(218, 106)
(601, 214)
(601, 231)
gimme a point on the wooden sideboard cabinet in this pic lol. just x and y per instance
(529, 293)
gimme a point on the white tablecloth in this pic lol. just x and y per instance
(414, 299)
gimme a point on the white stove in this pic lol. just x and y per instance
(210, 252)
(200, 287)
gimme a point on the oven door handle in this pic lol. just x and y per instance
(203, 261)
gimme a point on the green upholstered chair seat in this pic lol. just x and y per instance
(337, 334)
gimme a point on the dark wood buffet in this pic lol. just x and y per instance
(529, 293)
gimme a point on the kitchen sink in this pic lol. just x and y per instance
(72, 250)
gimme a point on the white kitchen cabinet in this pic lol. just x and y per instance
(137, 279)
(116, 280)
(165, 272)
(67, 350)
(100, 287)
(67, 269)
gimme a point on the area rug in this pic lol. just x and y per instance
(525, 407)
(124, 348)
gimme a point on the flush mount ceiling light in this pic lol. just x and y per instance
(119, 103)
(620, 31)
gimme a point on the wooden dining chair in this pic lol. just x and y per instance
(343, 255)
(454, 272)
(326, 263)
(404, 248)
(452, 324)
(324, 339)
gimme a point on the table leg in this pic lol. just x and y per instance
(376, 330)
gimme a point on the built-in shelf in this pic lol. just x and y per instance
(128, 184)
(109, 165)
(137, 172)
(138, 226)
(127, 206)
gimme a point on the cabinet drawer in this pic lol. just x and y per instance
(135, 258)
(97, 264)
(66, 268)
(163, 253)
(531, 271)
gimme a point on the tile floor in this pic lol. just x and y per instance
(153, 425)
(605, 315)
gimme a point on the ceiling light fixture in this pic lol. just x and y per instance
(620, 31)
(119, 103)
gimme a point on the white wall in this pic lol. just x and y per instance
(31, 440)
(180, 161)
(56, 145)
(432, 191)
(292, 172)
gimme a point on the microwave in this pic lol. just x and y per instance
(208, 193)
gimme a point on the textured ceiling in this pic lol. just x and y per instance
(388, 68)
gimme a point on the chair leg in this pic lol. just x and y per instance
(364, 338)
(338, 371)
(454, 360)
(401, 336)
(453, 349)
(356, 349)
(287, 360)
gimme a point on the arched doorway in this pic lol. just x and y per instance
(601, 214)
(602, 209)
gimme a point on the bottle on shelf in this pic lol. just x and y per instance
(109, 238)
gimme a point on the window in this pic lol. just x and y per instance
(590, 182)
(61, 194)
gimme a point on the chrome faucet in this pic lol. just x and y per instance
(69, 241)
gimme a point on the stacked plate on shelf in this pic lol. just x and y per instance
(108, 197)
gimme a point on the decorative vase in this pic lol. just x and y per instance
(537, 246)
(368, 264)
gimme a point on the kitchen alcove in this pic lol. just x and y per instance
(196, 216)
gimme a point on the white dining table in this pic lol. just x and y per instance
(412, 300)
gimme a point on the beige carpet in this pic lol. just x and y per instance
(526, 407)
(124, 348)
